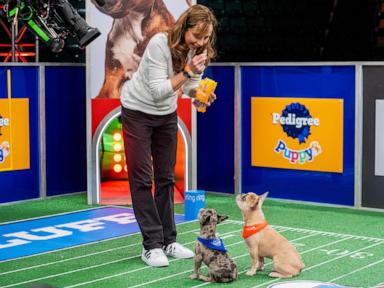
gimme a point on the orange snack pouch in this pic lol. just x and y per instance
(206, 87)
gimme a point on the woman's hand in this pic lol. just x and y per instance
(197, 64)
(198, 104)
(201, 106)
(211, 99)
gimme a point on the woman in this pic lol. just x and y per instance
(172, 61)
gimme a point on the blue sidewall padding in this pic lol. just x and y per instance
(65, 108)
(215, 135)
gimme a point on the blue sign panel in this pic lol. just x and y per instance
(22, 184)
(317, 82)
(41, 235)
(61, 101)
(215, 167)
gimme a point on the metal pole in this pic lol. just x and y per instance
(37, 49)
(13, 28)
(14, 34)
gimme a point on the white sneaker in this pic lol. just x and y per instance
(178, 251)
(154, 257)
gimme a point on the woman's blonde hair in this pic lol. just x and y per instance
(189, 19)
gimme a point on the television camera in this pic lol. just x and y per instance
(52, 21)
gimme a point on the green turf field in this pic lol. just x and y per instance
(338, 245)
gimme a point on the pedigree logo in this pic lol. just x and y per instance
(4, 151)
(4, 146)
(296, 122)
(3, 122)
(297, 133)
(298, 156)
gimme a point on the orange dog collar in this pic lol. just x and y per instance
(253, 229)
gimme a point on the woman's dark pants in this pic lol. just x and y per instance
(151, 141)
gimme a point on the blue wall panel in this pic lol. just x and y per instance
(215, 136)
(22, 184)
(65, 130)
(306, 82)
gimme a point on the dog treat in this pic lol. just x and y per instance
(206, 88)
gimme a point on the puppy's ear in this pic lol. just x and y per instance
(205, 219)
(262, 198)
(204, 216)
(221, 218)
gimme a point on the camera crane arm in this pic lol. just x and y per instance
(52, 22)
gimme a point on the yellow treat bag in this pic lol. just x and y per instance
(206, 87)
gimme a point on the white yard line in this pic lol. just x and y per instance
(191, 270)
(296, 239)
(320, 264)
(187, 271)
(84, 256)
(163, 278)
(132, 271)
(357, 270)
(207, 283)
(81, 245)
(61, 214)
(167, 277)
(89, 267)
(70, 272)
(281, 228)
(68, 259)
(325, 233)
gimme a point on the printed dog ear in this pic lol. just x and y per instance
(221, 218)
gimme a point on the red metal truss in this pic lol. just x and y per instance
(24, 51)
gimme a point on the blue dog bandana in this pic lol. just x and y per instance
(214, 244)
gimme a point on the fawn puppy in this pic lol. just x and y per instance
(264, 241)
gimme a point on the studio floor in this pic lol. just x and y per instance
(339, 245)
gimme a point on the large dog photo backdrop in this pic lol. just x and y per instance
(126, 27)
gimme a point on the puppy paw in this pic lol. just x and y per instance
(194, 276)
(205, 278)
(250, 273)
(278, 275)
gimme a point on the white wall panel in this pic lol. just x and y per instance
(379, 139)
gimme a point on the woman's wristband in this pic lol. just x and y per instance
(186, 74)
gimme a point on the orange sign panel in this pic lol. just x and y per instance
(297, 133)
(14, 134)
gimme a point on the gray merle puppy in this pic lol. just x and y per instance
(211, 250)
